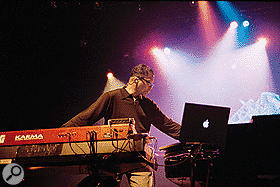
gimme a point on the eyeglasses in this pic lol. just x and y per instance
(148, 82)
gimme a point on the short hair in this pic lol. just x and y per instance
(142, 71)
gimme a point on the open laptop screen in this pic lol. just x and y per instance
(205, 124)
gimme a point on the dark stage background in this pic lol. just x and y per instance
(55, 57)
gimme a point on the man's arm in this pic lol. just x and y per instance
(92, 114)
(165, 124)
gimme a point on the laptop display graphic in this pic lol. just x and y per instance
(205, 124)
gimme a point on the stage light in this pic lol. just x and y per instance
(110, 75)
(167, 51)
(156, 51)
(98, 5)
(159, 54)
(113, 83)
(208, 22)
(229, 11)
(233, 25)
(246, 23)
(262, 41)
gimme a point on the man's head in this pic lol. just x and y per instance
(142, 71)
(141, 80)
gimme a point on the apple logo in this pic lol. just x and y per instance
(206, 123)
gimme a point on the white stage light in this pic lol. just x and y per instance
(263, 41)
(246, 23)
(166, 51)
(110, 75)
(157, 52)
(233, 25)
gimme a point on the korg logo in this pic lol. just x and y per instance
(2, 138)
